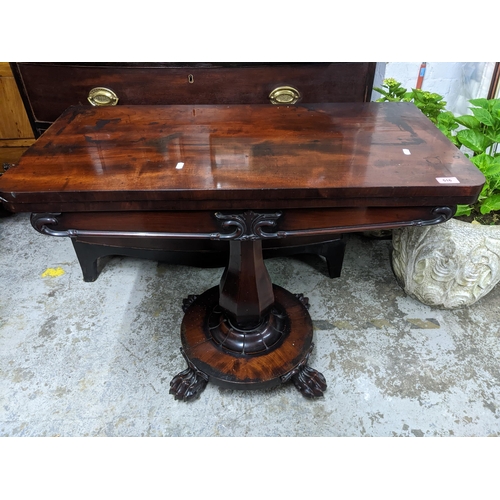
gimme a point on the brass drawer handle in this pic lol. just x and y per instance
(101, 96)
(284, 95)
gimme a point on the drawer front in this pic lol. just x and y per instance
(51, 88)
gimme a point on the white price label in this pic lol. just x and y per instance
(447, 180)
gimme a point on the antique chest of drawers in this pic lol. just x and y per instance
(49, 88)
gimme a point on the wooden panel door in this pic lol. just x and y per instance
(16, 134)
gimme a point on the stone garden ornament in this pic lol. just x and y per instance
(450, 265)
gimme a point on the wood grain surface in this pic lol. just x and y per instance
(382, 154)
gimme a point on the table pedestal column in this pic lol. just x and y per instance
(246, 333)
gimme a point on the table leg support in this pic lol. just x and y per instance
(188, 384)
(257, 343)
(310, 382)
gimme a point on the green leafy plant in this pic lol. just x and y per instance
(447, 123)
(489, 198)
(482, 129)
(480, 135)
(391, 91)
(430, 103)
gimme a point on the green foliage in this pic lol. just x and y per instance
(430, 103)
(489, 198)
(392, 91)
(479, 133)
(447, 123)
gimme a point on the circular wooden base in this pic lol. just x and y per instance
(240, 370)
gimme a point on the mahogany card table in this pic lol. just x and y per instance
(242, 174)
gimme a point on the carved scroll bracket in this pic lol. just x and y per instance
(247, 225)
(41, 223)
(441, 214)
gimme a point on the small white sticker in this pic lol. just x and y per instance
(406, 151)
(179, 165)
(447, 180)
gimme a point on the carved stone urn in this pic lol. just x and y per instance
(449, 265)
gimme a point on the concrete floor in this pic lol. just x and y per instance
(96, 359)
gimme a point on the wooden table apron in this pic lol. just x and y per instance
(241, 174)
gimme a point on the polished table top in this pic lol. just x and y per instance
(240, 156)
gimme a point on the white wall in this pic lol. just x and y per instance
(457, 82)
